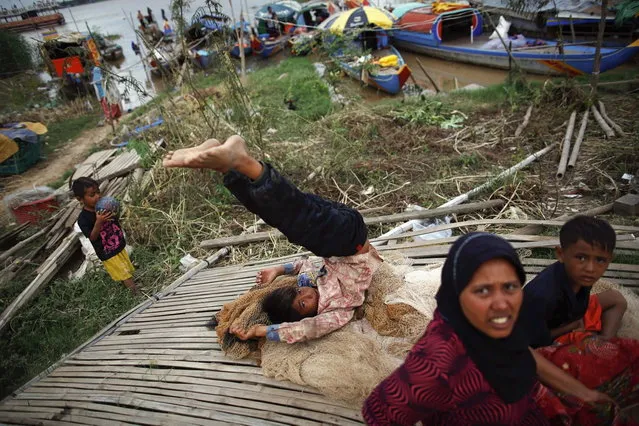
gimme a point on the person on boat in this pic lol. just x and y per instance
(141, 19)
(135, 48)
(164, 18)
(330, 230)
(167, 28)
(577, 329)
(474, 365)
(272, 23)
(149, 15)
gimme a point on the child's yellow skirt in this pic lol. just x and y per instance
(119, 266)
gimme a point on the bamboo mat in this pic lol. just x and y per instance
(160, 365)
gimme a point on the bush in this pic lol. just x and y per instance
(16, 52)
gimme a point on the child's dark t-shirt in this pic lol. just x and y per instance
(111, 239)
(561, 305)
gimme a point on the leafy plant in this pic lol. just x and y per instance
(16, 53)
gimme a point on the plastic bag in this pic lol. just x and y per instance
(18, 198)
(501, 30)
(430, 224)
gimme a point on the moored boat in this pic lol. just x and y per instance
(33, 18)
(457, 36)
(266, 46)
(235, 49)
(386, 70)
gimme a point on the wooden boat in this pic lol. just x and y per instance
(457, 36)
(110, 51)
(28, 19)
(235, 50)
(267, 47)
(388, 79)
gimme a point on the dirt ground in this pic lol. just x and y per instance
(46, 171)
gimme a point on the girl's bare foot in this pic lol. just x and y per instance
(266, 276)
(189, 157)
(211, 155)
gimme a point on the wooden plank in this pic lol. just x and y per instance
(478, 222)
(121, 165)
(399, 217)
(535, 242)
(607, 274)
(90, 165)
(612, 266)
(531, 261)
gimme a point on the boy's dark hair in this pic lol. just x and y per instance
(81, 184)
(279, 306)
(596, 232)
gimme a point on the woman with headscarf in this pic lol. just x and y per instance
(474, 365)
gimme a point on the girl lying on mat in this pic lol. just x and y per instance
(328, 229)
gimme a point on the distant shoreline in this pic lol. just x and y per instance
(69, 3)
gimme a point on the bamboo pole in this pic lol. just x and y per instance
(523, 125)
(536, 229)
(466, 196)
(597, 65)
(602, 110)
(418, 214)
(602, 123)
(580, 137)
(528, 160)
(23, 243)
(565, 152)
(46, 272)
(239, 34)
(428, 75)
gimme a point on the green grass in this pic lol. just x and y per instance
(62, 132)
(293, 79)
(143, 109)
(21, 92)
(67, 313)
(202, 80)
(62, 179)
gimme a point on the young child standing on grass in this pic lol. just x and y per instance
(104, 232)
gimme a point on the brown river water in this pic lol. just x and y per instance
(112, 17)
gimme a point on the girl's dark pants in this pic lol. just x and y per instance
(324, 227)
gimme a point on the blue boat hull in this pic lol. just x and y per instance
(576, 60)
(269, 48)
(389, 83)
(235, 51)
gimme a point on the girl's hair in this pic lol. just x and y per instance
(279, 306)
(81, 184)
